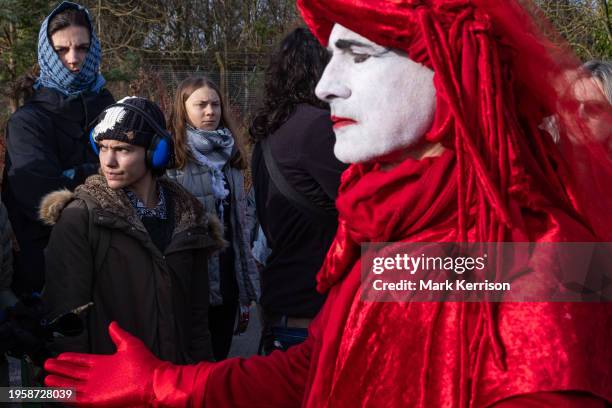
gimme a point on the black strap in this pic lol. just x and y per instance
(99, 240)
(299, 199)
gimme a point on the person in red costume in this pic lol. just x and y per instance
(437, 103)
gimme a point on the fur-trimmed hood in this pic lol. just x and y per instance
(100, 251)
(188, 210)
(52, 204)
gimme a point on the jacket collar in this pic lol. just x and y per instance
(113, 209)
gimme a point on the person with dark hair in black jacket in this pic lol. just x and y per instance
(47, 140)
(298, 130)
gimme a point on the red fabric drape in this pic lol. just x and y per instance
(502, 179)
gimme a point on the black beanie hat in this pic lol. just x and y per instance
(120, 123)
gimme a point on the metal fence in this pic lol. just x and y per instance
(243, 87)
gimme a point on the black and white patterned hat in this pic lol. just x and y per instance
(120, 123)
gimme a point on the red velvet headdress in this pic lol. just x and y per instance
(497, 78)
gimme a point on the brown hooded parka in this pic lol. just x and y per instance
(100, 252)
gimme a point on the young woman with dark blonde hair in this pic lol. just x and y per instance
(209, 163)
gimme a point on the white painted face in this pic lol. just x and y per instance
(380, 99)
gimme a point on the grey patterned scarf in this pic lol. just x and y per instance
(212, 148)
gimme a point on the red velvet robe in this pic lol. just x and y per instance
(390, 355)
(541, 358)
(415, 354)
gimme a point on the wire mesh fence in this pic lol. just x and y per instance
(243, 88)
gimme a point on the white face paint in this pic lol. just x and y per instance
(380, 99)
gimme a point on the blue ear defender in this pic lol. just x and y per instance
(160, 151)
(159, 154)
(93, 143)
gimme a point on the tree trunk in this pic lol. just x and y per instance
(13, 103)
(222, 80)
(606, 17)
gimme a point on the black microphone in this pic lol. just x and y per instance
(67, 324)
(24, 331)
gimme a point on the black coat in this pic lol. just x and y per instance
(303, 149)
(47, 149)
(101, 252)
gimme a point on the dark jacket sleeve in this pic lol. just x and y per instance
(7, 298)
(201, 346)
(6, 250)
(69, 271)
(35, 167)
(317, 155)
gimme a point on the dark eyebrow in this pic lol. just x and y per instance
(57, 47)
(126, 146)
(347, 44)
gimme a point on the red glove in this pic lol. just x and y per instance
(132, 377)
(123, 379)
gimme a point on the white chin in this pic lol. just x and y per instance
(363, 148)
(351, 152)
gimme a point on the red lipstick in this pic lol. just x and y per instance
(341, 122)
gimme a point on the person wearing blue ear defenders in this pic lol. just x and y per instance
(132, 242)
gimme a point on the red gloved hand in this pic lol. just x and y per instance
(123, 379)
